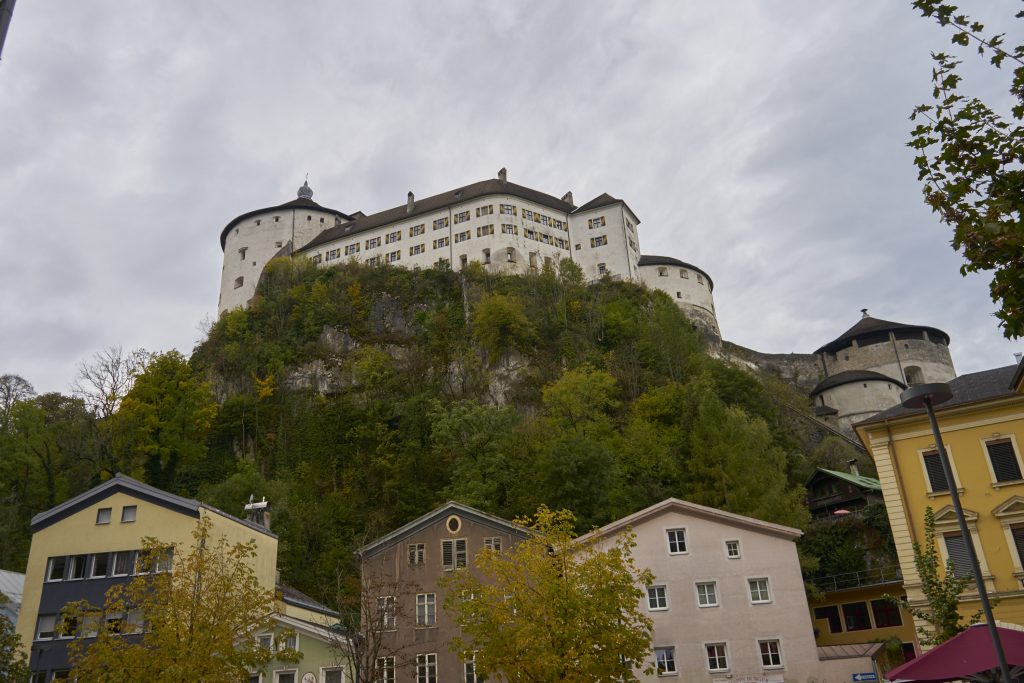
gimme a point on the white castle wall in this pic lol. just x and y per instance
(859, 400)
(891, 360)
(688, 288)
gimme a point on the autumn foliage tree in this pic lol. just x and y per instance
(196, 622)
(551, 609)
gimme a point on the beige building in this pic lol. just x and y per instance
(728, 601)
(405, 567)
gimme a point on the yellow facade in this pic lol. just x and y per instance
(79, 533)
(829, 634)
(899, 444)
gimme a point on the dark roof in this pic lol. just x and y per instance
(492, 186)
(970, 388)
(851, 376)
(603, 199)
(648, 260)
(300, 203)
(293, 596)
(121, 483)
(442, 512)
(869, 325)
(855, 479)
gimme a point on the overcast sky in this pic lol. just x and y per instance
(761, 141)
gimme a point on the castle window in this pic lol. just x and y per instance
(463, 261)
(416, 249)
(510, 255)
(441, 223)
(257, 223)
(599, 241)
(239, 281)
(679, 295)
(309, 218)
(507, 209)
(700, 279)
(277, 218)
(417, 230)
(487, 255)
(321, 221)
(241, 253)
(914, 375)
(601, 269)
(684, 273)
(662, 272)
(462, 216)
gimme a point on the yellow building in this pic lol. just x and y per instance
(85, 545)
(982, 426)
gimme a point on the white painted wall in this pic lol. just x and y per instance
(689, 289)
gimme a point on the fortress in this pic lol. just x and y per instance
(509, 228)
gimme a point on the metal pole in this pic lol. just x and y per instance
(975, 567)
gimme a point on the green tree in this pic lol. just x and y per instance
(941, 588)
(196, 622)
(501, 325)
(13, 665)
(969, 159)
(551, 609)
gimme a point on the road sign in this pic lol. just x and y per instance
(864, 677)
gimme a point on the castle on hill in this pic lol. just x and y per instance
(513, 229)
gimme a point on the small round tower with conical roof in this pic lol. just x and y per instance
(868, 366)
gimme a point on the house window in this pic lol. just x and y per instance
(426, 609)
(732, 549)
(393, 256)
(393, 237)
(596, 223)
(46, 626)
(77, 566)
(417, 249)
(855, 614)
(1017, 532)
(771, 653)
(830, 612)
(657, 598)
(462, 236)
(602, 269)
(373, 243)
(318, 258)
(284, 677)
(386, 612)
(717, 660)
(462, 217)
(385, 670)
(493, 543)
(426, 668)
(100, 565)
(758, 590)
(485, 230)
(676, 541)
(453, 553)
(599, 241)
(485, 210)
(128, 513)
(333, 675)
(103, 516)
(956, 550)
(886, 613)
(122, 563)
(277, 218)
(936, 475)
(55, 572)
(417, 230)
(1003, 458)
(352, 249)
(707, 594)
(507, 209)
(679, 295)
(417, 553)
(665, 660)
(441, 223)
(507, 229)
(442, 242)
(266, 641)
(469, 668)
(239, 281)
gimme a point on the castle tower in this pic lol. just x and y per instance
(689, 286)
(252, 239)
(868, 366)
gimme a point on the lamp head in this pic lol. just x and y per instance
(915, 396)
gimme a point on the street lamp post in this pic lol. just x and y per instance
(926, 396)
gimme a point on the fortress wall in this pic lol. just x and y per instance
(933, 359)
(801, 369)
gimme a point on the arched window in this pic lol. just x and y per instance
(914, 375)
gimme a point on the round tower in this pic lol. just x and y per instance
(689, 286)
(252, 239)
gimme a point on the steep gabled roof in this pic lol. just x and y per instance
(855, 479)
(435, 515)
(483, 188)
(300, 203)
(649, 260)
(293, 596)
(688, 508)
(121, 483)
(868, 325)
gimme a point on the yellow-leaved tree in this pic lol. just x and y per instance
(552, 609)
(184, 617)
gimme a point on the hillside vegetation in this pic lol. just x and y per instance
(356, 398)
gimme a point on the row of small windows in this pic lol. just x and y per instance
(707, 594)
(104, 565)
(277, 219)
(54, 626)
(855, 616)
(716, 657)
(454, 552)
(683, 273)
(128, 514)
(426, 669)
(676, 539)
(1003, 459)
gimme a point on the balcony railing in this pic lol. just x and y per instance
(868, 577)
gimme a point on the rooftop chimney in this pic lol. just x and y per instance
(503, 176)
(853, 467)
(410, 202)
(863, 312)
(567, 198)
(258, 512)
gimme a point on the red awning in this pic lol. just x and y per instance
(965, 654)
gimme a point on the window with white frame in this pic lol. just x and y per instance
(485, 230)
(426, 609)
(386, 612)
(56, 568)
(665, 660)
(103, 516)
(493, 543)
(602, 268)
(717, 659)
(732, 549)
(657, 598)
(933, 470)
(100, 565)
(469, 669)
(759, 590)
(373, 261)
(598, 222)
(46, 627)
(122, 563)
(265, 641)
(426, 668)
(285, 676)
(707, 594)
(333, 675)
(956, 550)
(1003, 458)
(676, 541)
(417, 553)
(771, 653)
(76, 566)
(385, 670)
(393, 256)
(453, 553)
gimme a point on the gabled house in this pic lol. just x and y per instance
(832, 491)
(728, 599)
(404, 568)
